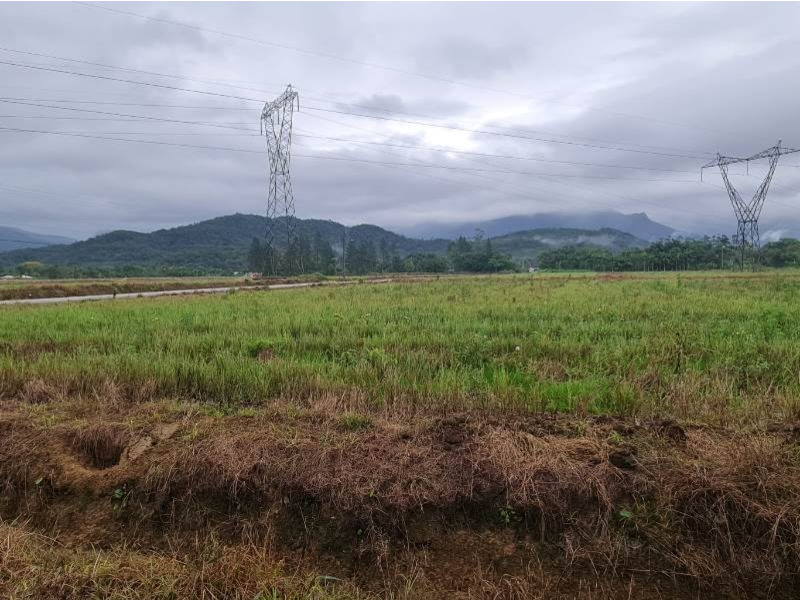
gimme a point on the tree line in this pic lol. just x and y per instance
(671, 255)
(363, 256)
(477, 255)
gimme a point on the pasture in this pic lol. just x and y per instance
(526, 436)
(715, 349)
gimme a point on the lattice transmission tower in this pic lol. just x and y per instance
(276, 125)
(748, 211)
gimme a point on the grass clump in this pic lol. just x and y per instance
(355, 422)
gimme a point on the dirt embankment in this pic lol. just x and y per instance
(383, 505)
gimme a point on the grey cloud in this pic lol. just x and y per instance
(430, 106)
(670, 78)
(468, 58)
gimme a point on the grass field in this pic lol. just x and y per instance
(545, 436)
(719, 350)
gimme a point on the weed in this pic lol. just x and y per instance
(355, 422)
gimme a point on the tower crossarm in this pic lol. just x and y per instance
(774, 151)
(748, 211)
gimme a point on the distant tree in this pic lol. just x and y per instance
(669, 254)
(370, 257)
(305, 258)
(31, 267)
(324, 257)
(426, 262)
(385, 255)
(353, 258)
(783, 253)
(477, 255)
(397, 264)
(255, 257)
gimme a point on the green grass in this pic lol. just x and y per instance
(710, 348)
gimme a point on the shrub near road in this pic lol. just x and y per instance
(498, 437)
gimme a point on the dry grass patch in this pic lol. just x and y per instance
(711, 509)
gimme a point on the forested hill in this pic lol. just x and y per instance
(219, 244)
(223, 246)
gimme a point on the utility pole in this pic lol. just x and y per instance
(748, 212)
(276, 125)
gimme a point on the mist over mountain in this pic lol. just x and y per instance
(12, 238)
(527, 245)
(636, 224)
(221, 245)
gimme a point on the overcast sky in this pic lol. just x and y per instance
(656, 86)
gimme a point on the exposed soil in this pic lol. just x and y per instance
(89, 288)
(462, 506)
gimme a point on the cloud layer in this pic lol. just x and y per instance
(640, 94)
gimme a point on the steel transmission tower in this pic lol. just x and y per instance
(748, 212)
(276, 124)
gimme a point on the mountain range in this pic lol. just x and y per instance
(636, 224)
(12, 238)
(222, 244)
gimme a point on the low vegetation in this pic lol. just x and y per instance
(16, 289)
(544, 436)
(672, 255)
(721, 349)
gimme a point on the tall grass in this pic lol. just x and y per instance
(722, 350)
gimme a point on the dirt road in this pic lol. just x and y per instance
(212, 290)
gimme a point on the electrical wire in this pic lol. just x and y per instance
(386, 67)
(351, 113)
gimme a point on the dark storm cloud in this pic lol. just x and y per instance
(672, 83)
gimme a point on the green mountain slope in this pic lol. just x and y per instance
(219, 244)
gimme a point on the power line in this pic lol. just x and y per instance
(479, 131)
(527, 186)
(245, 150)
(107, 136)
(127, 69)
(489, 155)
(120, 80)
(496, 133)
(421, 123)
(133, 118)
(35, 102)
(322, 99)
(138, 104)
(334, 158)
(155, 142)
(126, 115)
(385, 67)
(478, 173)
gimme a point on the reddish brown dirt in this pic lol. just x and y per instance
(471, 506)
